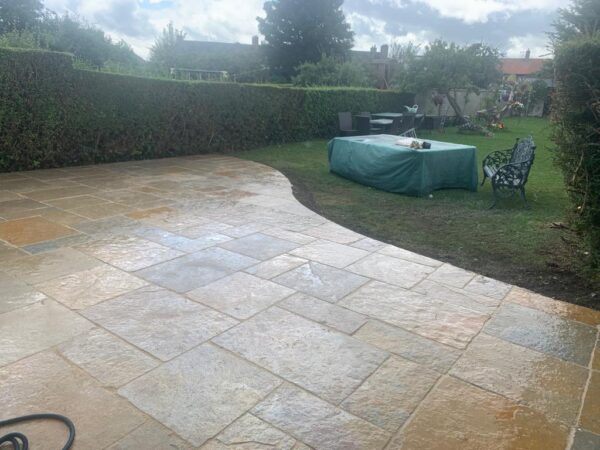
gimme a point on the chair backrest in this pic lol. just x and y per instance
(408, 122)
(345, 119)
(363, 124)
(396, 125)
(412, 133)
(419, 121)
(523, 151)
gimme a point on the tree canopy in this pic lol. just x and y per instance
(19, 15)
(89, 44)
(163, 53)
(580, 19)
(300, 31)
(446, 67)
(26, 24)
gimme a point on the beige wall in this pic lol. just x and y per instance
(470, 104)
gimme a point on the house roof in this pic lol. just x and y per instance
(215, 47)
(521, 66)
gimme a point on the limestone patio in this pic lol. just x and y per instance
(194, 303)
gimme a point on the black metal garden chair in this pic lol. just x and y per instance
(345, 120)
(509, 169)
(363, 123)
(408, 122)
(396, 126)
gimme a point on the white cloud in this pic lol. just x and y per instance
(138, 22)
(214, 20)
(473, 11)
(370, 31)
(536, 44)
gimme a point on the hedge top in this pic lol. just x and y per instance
(55, 115)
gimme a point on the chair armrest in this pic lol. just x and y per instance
(498, 158)
(512, 175)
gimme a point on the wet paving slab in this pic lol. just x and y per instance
(547, 333)
(193, 303)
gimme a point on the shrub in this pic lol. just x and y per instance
(473, 128)
(576, 119)
(52, 115)
(20, 39)
(329, 72)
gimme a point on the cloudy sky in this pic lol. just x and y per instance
(511, 25)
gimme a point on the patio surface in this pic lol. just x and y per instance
(194, 303)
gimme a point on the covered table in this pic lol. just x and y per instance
(378, 161)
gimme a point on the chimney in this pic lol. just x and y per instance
(527, 54)
(384, 50)
(255, 41)
(374, 49)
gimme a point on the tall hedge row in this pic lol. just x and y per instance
(576, 118)
(52, 115)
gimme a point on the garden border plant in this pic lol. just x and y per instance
(54, 115)
(576, 120)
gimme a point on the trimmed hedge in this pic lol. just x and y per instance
(576, 119)
(52, 115)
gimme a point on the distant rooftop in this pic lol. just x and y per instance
(521, 66)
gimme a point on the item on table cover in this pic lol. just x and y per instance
(415, 144)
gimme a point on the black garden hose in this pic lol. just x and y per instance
(19, 441)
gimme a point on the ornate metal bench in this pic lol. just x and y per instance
(509, 169)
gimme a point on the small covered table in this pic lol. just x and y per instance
(379, 162)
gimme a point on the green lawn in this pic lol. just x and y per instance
(509, 243)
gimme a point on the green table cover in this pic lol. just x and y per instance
(377, 161)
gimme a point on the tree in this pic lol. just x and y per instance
(403, 57)
(404, 54)
(447, 67)
(164, 51)
(330, 72)
(580, 19)
(300, 31)
(89, 44)
(19, 15)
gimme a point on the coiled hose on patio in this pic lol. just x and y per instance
(20, 442)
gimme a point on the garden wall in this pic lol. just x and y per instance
(470, 103)
(53, 115)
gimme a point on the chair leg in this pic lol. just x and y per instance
(484, 178)
(495, 198)
(522, 192)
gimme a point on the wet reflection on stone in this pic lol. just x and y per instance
(543, 382)
(459, 416)
(556, 307)
(431, 318)
(571, 341)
